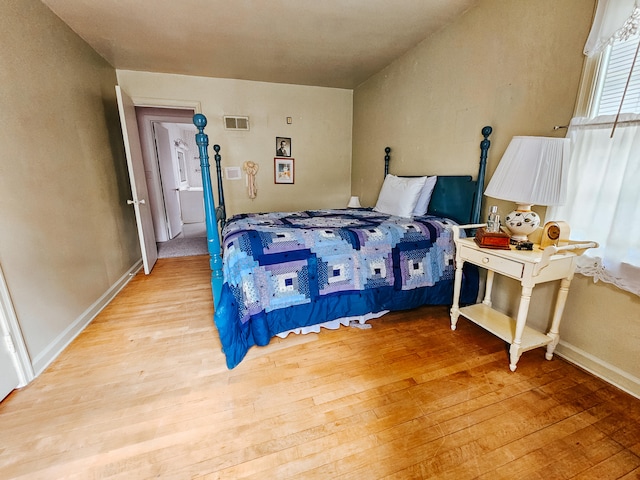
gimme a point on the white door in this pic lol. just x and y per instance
(15, 366)
(8, 371)
(170, 190)
(140, 197)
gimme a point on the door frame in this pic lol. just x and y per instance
(123, 95)
(154, 184)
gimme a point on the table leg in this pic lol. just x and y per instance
(457, 284)
(521, 321)
(488, 288)
(554, 332)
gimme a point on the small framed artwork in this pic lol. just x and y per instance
(283, 147)
(283, 170)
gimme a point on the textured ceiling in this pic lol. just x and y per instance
(332, 43)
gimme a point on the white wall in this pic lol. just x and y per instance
(320, 133)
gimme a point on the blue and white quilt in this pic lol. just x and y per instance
(288, 270)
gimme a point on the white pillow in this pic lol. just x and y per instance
(425, 197)
(399, 196)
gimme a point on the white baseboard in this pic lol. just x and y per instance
(49, 354)
(601, 369)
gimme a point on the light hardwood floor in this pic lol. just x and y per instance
(144, 392)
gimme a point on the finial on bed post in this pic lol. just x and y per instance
(484, 148)
(387, 150)
(221, 212)
(213, 236)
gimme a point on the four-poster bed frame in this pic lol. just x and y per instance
(298, 277)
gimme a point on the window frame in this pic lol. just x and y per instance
(592, 81)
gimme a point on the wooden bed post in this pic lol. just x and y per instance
(484, 148)
(213, 236)
(387, 151)
(221, 212)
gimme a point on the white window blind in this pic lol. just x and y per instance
(615, 74)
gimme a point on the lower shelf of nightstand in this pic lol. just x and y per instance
(503, 326)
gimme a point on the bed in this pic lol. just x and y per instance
(282, 272)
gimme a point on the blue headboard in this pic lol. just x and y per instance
(458, 197)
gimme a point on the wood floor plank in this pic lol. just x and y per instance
(144, 392)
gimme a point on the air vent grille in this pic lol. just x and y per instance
(234, 122)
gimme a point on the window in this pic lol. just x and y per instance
(603, 199)
(616, 65)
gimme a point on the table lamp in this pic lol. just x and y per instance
(532, 171)
(354, 202)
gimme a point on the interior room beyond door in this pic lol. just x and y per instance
(170, 182)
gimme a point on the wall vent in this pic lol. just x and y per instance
(234, 122)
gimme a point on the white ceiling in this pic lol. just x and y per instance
(331, 43)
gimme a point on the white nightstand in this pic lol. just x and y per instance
(530, 267)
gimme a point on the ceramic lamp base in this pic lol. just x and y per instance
(521, 223)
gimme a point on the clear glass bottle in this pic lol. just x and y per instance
(493, 221)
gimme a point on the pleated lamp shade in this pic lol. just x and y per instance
(532, 171)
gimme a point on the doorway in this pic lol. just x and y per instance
(172, 172)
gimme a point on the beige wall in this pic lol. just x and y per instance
(512, 65)
(516, 66)
(320, 133)
(66, 233)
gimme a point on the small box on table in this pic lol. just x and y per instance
(499, 240)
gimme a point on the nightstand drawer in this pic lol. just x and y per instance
(486, 259)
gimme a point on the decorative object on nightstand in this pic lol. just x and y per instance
(493, 221)
(532, 171)
(354, 202)
(555, 233)
(486, 239)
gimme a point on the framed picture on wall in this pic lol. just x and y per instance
(283, 147)
(283, 170)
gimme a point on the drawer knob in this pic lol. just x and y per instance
(485, 259)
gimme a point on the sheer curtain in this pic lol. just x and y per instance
(603, 198)
(603, 192)
(614, 20)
